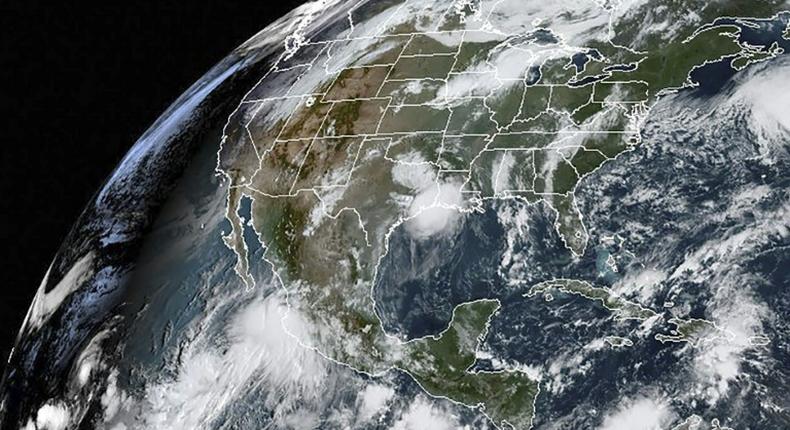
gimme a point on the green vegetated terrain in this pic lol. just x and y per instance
(441, 365)
(692, 330)
(620, 307)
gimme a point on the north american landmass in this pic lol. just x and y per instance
(408, 123)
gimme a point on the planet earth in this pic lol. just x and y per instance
(435, 214)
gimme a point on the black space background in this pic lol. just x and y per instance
(78, 85)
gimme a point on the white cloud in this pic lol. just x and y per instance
(717, 363)
(259, 351)
(434, 210)
(90, 358)
(374, 400)
(113, 398)
(643, 283)
(733, 307)
(412, 171)
(51, 416)
(769, 112)
(435, 206)
(577, 22)
(642, 414)
(47, 302)
(423, 415)
(468, 84)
